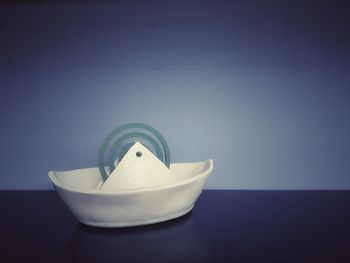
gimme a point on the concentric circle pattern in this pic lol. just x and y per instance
(119, 141)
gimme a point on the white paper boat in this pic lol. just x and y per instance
(80, 190)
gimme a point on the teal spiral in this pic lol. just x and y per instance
(116, 139)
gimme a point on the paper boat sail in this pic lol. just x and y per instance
(139, 168)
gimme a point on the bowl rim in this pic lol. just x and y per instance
(57, 183)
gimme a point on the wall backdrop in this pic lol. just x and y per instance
(261, 87)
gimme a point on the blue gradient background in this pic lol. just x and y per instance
(261, 87)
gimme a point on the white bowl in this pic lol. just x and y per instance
(79, 190)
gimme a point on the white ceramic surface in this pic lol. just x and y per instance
(81, 192)
(139, 168)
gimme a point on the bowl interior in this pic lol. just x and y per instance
(89, 178)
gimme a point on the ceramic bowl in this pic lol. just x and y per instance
(79, 190)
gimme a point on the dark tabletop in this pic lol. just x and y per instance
(224, 226)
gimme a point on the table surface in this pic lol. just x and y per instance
(224, 226)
